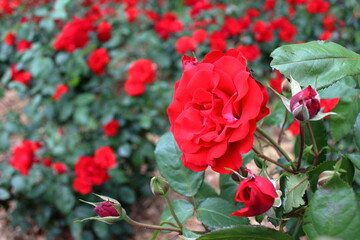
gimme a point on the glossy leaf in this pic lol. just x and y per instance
(333, 211)
(246, 233)
(316, 63)
(295, 190)
(182, 208)
(168, 159)
(215, 213)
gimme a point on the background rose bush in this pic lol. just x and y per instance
(74, 63)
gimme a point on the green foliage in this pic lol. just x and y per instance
(246, 233)
(316, 63)
(296, 187)
(168, 159)
(184, 210)
(333, 211)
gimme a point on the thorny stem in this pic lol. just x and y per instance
(276, 145)
(150, 226)
(266, 158)
(316, 151)
(168, 202)
(282, 128)
(302, 145)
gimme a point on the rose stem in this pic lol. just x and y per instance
(302, 144)
(316, 151)
(271, 160)
(274, 143)
(150, 226)
(168, 202)
(282, 127)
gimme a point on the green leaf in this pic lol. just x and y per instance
(182, 208)
(205, 191)
(64, 199)
(333, 211)
(168, 158)
(215, 213)
(315, 63)
(355, 159)
(357, 131)
(343, 123)
(246, 233)
(4, 194)
(296, 186)
(228, 187)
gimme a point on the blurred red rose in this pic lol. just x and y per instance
(276, 82)
(105, 157)
(258, 195)
(214, 112)
(104, 31)
(111, 128)
(199, 35)
(10, 39)
(167, 25)
(317, 6)
(326, 35)
(217, 41)
(262, 32)
(74, 35)
(329, 22)
(60, 90)
(141, 72)
(328, 104)
(232, 27)
(23, 156)
(185, 44)
(59, 168)
(251, 52)
(131, 14)
(23, 45)
(98, 60)
(47, 162)
(20, 75)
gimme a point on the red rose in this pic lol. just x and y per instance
(143, 70)
(106, 209)
(82, 185)
(23, 45)
(61, 89)
(74, 35)
(252, 13)
(23, 156)
(104, 31)
(251, 52)
(59, 168)
(232, 26)
(269, 5)
(105, 157)
(167, 25)
(199, 36)
(317, 6)
(326, 35)
(294, 128)
(98, 60)
(305, 104)
(329, 22)
(328, 104)
(20, 75)
(111, 128)
(262, 32)
(214, 112)
(10, 39)
(134, 88)
(185, 44)
(217, 41)
(258, 195)
(47, 162)
(131, 14)
(276, 82)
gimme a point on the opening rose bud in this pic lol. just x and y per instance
(305, 104)
(258, 195)
(106, 209)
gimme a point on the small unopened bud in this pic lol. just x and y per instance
(305, 104)
(106, 209)
(325, 176)
(159, 186)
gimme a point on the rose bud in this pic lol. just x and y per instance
(305, 104)
(106, 209)
(258, 195)
(159, 186)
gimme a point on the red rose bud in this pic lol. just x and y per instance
(106, 209)
(305, 104)
(258, 195)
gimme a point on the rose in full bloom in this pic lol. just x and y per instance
(111, 128)
(106, 209)
(98, 60)
(59, 168)
(214, 112)
(23, 156)
(258, 195)
(305, 104)
(60, 90)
